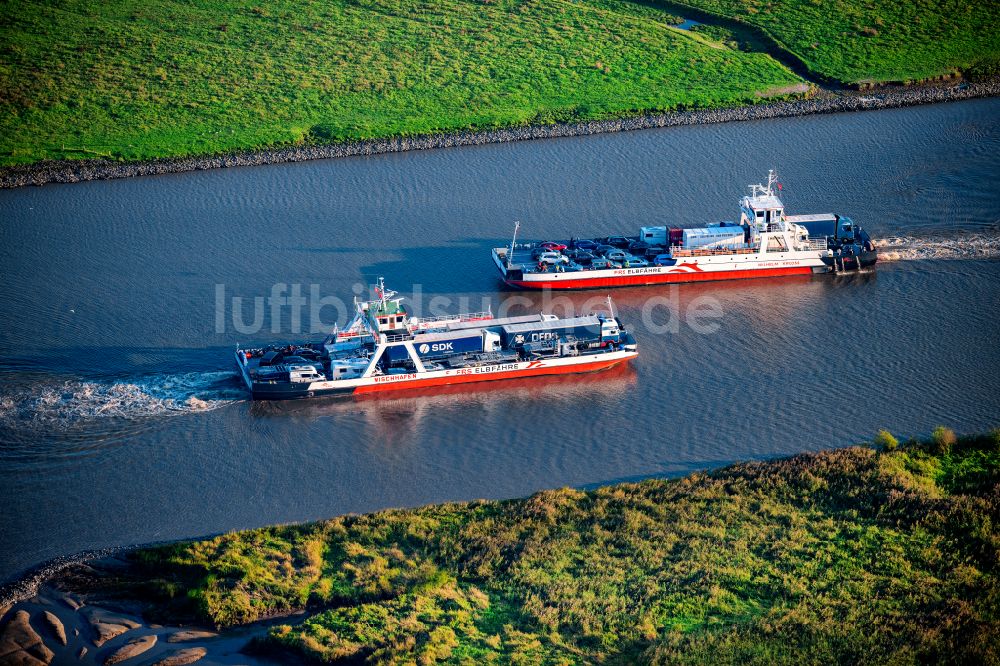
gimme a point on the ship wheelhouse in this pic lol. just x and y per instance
(762, 210)
(390, 318)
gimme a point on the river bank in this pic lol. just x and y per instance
(826, 101)
(866, 554)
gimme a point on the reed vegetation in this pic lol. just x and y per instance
(857, 555)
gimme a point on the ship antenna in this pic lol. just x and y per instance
(611, 307)
(380, 291)
(513, 241)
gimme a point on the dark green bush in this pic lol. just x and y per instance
(982, 70)
(323, 133)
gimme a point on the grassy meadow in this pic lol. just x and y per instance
(880, 554)
(875, 40)
(172, 78)
(108, 78)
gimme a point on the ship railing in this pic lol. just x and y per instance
(485, 358)
(466, 316)
(397, 337)
(817, 243)
(709, 252)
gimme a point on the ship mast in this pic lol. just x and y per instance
(513, 241)
(761, 190)
(380, 292)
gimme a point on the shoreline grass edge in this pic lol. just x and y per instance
(752, 560)
(882, 97)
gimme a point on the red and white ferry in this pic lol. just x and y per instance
(384, 349)
(764, 243)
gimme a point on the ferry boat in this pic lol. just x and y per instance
(764, 243)
(383, 348)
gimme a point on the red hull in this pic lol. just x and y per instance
(662, 278)
(466, 379)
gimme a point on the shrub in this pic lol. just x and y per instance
(984, 69)
(942, 439)
(885, 441)
(322, 133)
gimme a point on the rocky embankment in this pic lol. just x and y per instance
(886, 97)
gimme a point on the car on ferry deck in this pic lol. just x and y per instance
(600, 263)
(617, 255)
(620, 242)
(552, 258)
(582, 257)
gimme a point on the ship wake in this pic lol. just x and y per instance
(73, 401)
(968, 245)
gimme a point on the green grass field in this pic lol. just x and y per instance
(859, 555)
(875, 40)
(83, 78)
(171, 78)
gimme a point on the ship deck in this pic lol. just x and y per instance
(522, 258)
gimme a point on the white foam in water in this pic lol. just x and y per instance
(77, 400)
(963, 246)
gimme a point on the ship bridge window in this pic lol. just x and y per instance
(776, 244)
